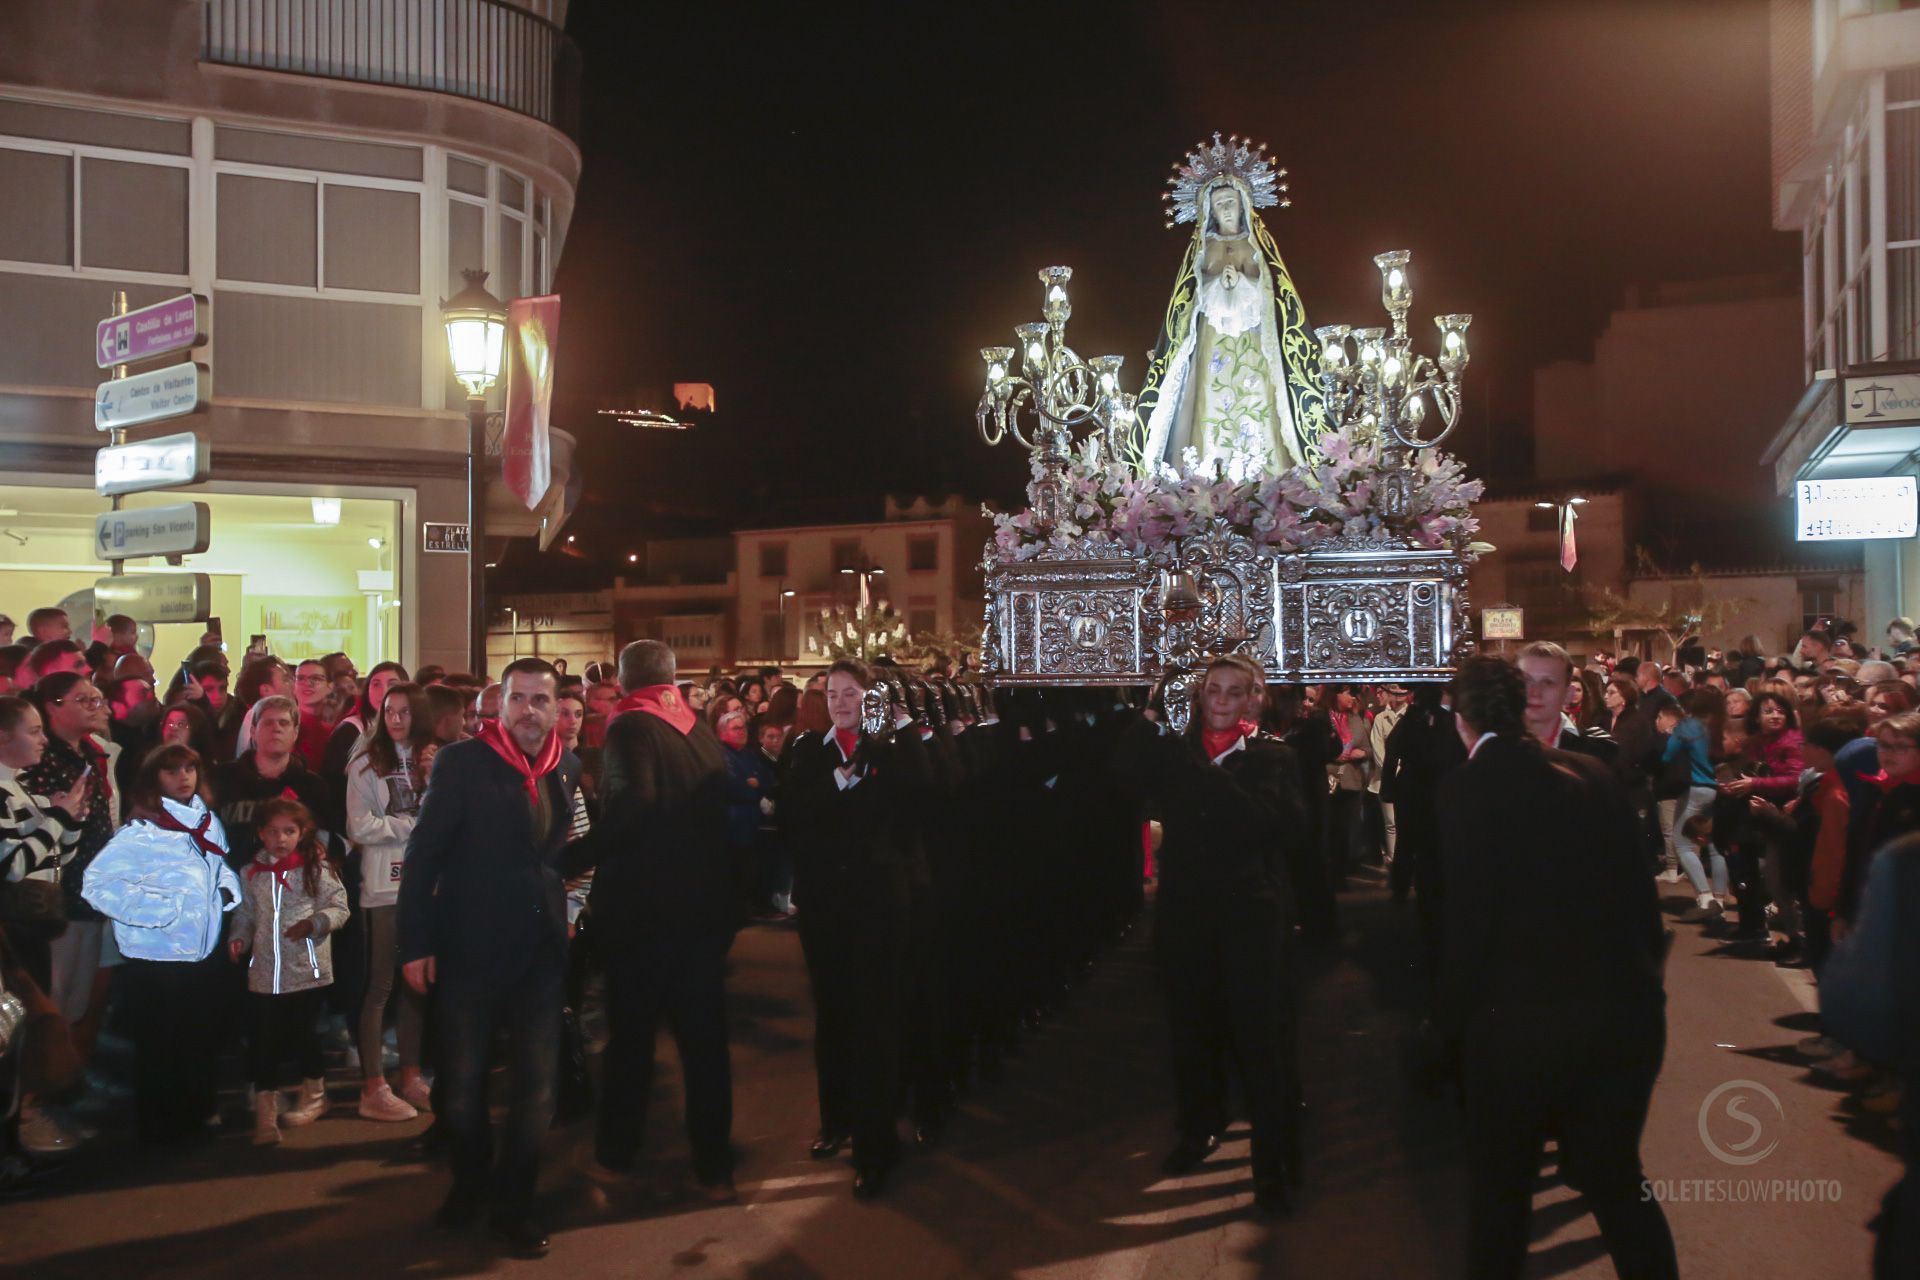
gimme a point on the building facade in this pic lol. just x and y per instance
(1846, 178)
(322, 173)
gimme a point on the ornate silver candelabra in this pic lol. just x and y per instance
(1058, 393)
(1377, 390)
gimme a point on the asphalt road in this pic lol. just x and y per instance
(1050, 1171)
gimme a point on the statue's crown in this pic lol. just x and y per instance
(1236, 158)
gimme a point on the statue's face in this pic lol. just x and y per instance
(1225, 204)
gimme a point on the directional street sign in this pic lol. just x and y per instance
(159, 463)
(180, 529)
(172, 392)
(155, 597)
(165, 327)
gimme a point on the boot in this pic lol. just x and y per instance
(313, 1103)
(266, 1118)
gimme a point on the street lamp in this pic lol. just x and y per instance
(1563, 523)
(476, 339)
(786, 594)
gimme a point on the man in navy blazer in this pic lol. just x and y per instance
(483, 921)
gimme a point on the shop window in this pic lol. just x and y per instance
(773, 559)
(923, 554)
(847, 554)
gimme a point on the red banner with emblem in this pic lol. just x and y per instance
(533, 332)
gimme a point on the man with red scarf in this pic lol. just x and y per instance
(663, 905)
(483, 920)
(1230, 807)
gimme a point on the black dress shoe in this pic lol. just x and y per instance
(1271, 1197)
(523, 1237)
(1188, 1153)
(827, 1145)
(457, 1211)
(868, 1183)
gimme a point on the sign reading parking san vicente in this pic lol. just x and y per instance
(178, 324)
(155, 597)
(179, 529)
(172, 392)
(444, 537)
(160, 463)
(1871, 507)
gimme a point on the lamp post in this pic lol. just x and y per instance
(786, 594)
(476, 339)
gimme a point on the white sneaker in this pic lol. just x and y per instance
(381, 1104)
(418, 1094)
(1669, 876)
(313, 1104)
(42, 1135)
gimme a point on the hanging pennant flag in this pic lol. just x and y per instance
(1569, 554)
(694, 395)
(533, 329)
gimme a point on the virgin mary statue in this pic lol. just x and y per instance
(1233, 375)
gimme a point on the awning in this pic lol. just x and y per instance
(1851, 423)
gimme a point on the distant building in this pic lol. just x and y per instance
(1685, 386)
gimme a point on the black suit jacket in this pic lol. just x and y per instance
(1229, 830)
(1548, 898)
(475, 891)
(855, 850)
(661, 844)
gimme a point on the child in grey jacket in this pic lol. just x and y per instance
(292, 902)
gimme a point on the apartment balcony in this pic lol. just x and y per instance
(482, 50)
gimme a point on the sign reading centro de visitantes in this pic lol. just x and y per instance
(157, 330)
(172, 392)
(155, 597)
(178, 529)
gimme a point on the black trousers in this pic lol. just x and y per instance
(1229, 1004)
(468, 1010)
(280, 1029)
(680, 980)
(174, 1008)
(857, 963)
(1582, 1076)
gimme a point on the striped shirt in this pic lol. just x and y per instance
(35, 837)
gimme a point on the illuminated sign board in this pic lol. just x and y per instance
(1840, 510)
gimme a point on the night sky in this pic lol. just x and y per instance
(825, 211)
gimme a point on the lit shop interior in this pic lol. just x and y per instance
(314, 575)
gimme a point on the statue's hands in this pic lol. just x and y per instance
(1230, 276)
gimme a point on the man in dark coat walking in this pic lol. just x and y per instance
(665, 908)
(1551, 980)
(483, 920)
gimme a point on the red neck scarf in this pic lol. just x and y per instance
(849, 740)
(495, 735)
(661, 700)
(291, 862)
(1215, 743)
(1888, 783)
(160, 816)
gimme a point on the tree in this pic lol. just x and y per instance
(1689, 606)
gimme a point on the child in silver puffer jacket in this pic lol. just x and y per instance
(292, 903)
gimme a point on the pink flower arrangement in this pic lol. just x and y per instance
(1109, 503)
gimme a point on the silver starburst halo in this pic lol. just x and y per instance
(1237, 158)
